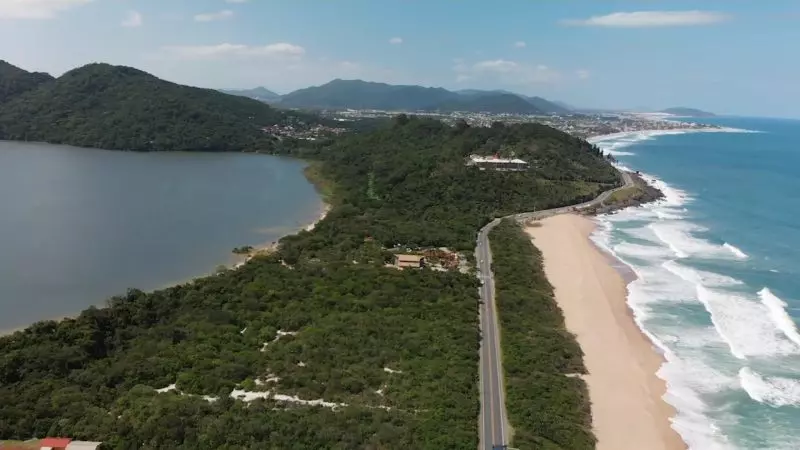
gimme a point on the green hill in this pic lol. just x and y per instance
(358, 94)
(547, 106)
(116, 107)
(497, 103)
(260, 93)
(15, 81)
(541, 105)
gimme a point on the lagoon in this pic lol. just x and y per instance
(80, 225)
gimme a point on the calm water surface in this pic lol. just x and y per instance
(80, 225)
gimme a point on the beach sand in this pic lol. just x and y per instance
(628, 412)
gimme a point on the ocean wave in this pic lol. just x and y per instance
(774, 391)
(777, 310)
(632, 137)
(745, 325)
(736, 252)
(641, 251)
(679, 237)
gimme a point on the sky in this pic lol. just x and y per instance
(736, 57)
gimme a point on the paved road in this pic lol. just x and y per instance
(493, 419)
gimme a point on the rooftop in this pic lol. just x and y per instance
(495, 160)
(409, 258)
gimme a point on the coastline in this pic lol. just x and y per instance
(647, 133)
(628, 406)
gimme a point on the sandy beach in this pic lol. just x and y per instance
(628, 412)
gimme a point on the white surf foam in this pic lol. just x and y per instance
(745, 325)
(696, 276)
(736, 252)
(679, 237)
(775, 391)
(777, 310)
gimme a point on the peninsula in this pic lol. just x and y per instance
(324, 329)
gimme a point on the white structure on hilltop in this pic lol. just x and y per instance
(497, 163)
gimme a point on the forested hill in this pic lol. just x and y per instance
(122, 108)
(393, 354)
(358, 94)
(15, 81)
(412, 178)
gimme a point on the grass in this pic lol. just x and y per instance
(32, 444)
(324, 186)
(624, 195)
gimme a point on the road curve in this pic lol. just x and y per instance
(493, 421)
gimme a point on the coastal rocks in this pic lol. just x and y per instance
(637, 195)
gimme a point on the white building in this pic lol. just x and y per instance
(497, 163)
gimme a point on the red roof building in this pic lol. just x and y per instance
(54, 443)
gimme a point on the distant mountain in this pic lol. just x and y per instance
(358, 94)
(116, 107)
(260, 93)
(540, 105)
(15, 81)
(687, 112)
(547, 106)
(490, 103)
(566, 106)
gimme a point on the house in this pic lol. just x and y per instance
(404, 261)
(497, 163)
(54, 443)
(83, 445)
(66, 444)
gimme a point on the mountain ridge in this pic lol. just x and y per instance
(123, 108)
(15, 81)
(360, 94)
(259, 93)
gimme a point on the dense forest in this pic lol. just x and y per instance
(122, 108)
(547, 409)
(15, 81)
(407, 184)
(390, 356)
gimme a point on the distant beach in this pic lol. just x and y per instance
(628, 411)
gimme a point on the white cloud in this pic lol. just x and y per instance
(132, 20)
(648, 19)
(220, 51)
(36, 9)
(236, 1)
(582, 74)
(396, 40)
(210, 17)
(506, 72)
(520, 44)
(497, 65)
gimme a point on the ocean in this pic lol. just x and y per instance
(718, 287)
(80, 225)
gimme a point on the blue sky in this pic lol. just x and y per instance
(728, 56)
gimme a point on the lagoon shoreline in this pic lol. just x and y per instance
(628, 407)
(232, 264)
